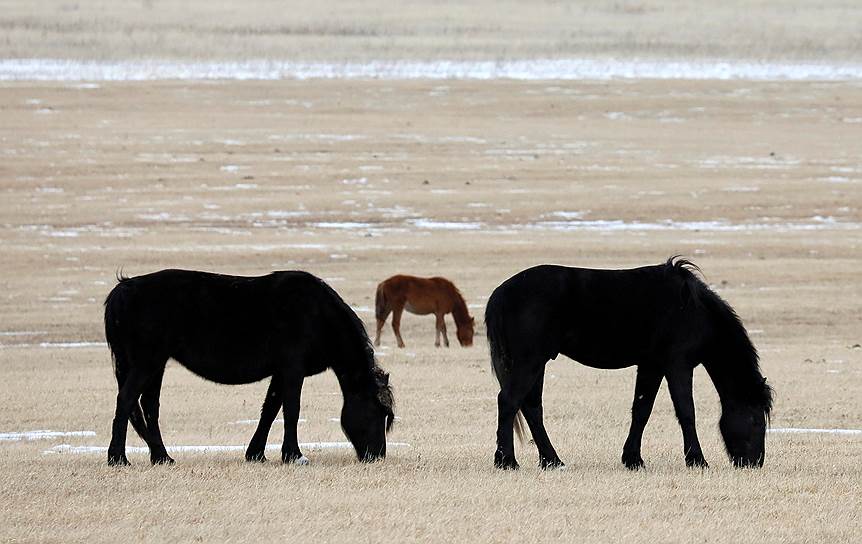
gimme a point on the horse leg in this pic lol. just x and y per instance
(127, 400)
(380, 324)
(646, 387)
(271, 403)
(396, 324)
(679, 381)
(532, 410)
(291, 392)
(439, 325)
(442, 326)
(150, 405)
(509, 400)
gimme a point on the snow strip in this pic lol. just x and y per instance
(41, 435)
(58, 345)
(41, 69)
(794, 430)
(66, 448)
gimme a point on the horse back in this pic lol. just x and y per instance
(229, 329)
(419, 295)
(601, 318)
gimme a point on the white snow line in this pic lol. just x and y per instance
(794, 430)
(45, 69)
(57, 345)
(256, 421)
(41, 435)
(67, 448)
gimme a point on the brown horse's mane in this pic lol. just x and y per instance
(459, 309)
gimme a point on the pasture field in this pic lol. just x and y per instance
(759, 183)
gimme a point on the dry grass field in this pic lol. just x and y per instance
(759, 182)
(354, 181)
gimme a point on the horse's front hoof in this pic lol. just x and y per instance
(505, 462)
(294, 458)
(633, 461)
(552, 464)
(118, 460)
(162, 460)
(255, 457)
(696, 461)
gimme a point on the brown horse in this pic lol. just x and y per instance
(422, 296)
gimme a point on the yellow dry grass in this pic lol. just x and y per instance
(483, 29)
(330, 177)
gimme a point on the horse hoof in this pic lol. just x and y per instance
(118, 461)
(295, 459)
(504, 462)
(552, 464)
(255, 457)
(696, 461)
(162, 460)
(633, 461)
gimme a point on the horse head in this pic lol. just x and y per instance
(743, 428)
(367, 416)
(465, 333)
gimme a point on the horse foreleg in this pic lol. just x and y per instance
(150, 405)
(441, 329)
(646, 387)
(396, 324)
(679, 381)
(291, 391)
(271, 404)
(533, 413)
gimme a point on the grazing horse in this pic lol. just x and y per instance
(422, 296)
(662, 318)
(237, 330)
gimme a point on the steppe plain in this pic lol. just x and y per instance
(759, 182)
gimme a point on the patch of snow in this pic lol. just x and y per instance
(41, 435)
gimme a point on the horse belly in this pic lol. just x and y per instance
(229, 371)
(418, 309)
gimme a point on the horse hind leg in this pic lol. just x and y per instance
(150, 406)
(533, 413)
(127, 403)
(396, 324)
(513, 390)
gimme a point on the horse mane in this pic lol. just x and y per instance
(460, 313)
(730, 349)
(379, 384)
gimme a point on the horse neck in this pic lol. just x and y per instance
(734, 370)
(459, 309)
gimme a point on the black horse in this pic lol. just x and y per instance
(237, 330)
(662, 318)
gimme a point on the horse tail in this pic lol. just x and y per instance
(500, 359)
(115, 312)
(381, 309)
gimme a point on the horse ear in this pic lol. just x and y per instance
(385, 378)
